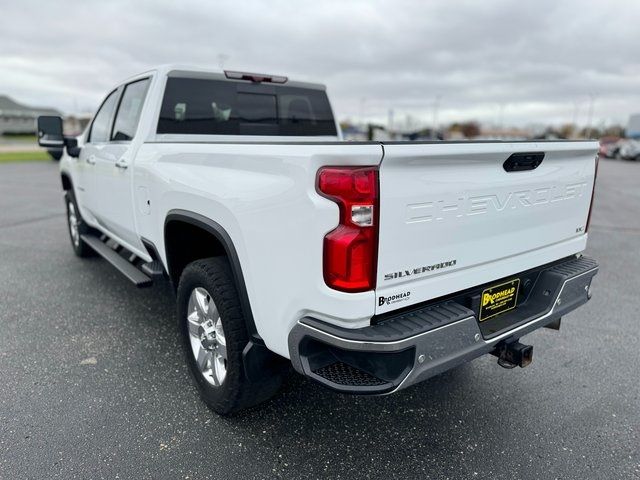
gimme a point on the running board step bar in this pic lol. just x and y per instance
(153, 268)
(122, 265)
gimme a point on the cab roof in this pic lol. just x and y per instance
(194, 71)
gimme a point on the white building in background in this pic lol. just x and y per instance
(75, 124)
(633, 127)
(20, 119)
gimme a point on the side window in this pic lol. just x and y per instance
(101, 126)
(129, 110)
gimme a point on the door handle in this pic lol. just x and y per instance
(91, 160)
(122, 164)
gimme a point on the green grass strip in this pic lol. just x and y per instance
(35, 156)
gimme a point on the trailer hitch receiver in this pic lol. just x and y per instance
(513, 354)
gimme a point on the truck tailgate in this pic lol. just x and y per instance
(452, 216)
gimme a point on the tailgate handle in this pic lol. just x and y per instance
(518, 162)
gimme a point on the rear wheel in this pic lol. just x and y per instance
(77, 227)
(206, 336)
(212, 326)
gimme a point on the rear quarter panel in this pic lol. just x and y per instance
(264, 196)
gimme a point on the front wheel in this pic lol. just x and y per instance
(77, 227)
(212, 326)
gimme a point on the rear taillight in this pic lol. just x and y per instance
(593, 194)
(350, 250)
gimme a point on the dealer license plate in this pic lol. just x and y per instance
(499, 299)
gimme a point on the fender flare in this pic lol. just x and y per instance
(67, 183)
(223, 237)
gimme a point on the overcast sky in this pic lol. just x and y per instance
(525, 62)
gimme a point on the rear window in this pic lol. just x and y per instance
(217, 107)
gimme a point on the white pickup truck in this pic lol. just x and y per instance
(367, 266)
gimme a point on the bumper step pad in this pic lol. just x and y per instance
(344, 374)
(399, 327)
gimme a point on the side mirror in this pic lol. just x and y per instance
(50, 132)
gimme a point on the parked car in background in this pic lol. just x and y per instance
(629, 150)
(609, 147)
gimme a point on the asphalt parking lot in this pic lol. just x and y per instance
(93, 385)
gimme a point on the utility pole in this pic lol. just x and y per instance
(590, 114)
(436, 106)
(222, 58)
(501, 107)
(363, 100)
(574, 120)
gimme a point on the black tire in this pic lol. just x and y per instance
(80, 248)
(236, 391)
